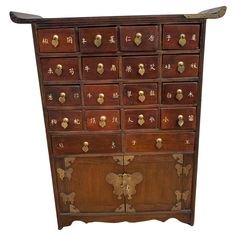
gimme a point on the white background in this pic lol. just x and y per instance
(26, 196)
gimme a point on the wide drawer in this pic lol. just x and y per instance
(180, 93)
(65, 120)
(180, 66)
(103, 119)
(178, 118)
(62, 95)
(141, 94)
(60, 69)
(141, 119)
(86, 144)
(101, 95)
(95, 68)
(140, 67)
(56, 40)
(181, 36)
(160, 142)
(100, 39)
(139, 38)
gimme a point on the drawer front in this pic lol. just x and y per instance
(103, 120)
(160, 142)
(180, 66)
(56, 40)
(141, 119)
(140, 67)
(60, 69)
(142, 94)
(180, 93)
(62, 96)
(65, 120)
(101, 95)
(86, 144)
(139, 38)
(181, 36)
(95, 68)
(178, 118)
(98, 39)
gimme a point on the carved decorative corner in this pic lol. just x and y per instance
(125, 208)
(129, 208)
(64, 173)
(69, 161)
(177, 207)
(68, 198)
(121, 208)
(73, 209)
(123, 160)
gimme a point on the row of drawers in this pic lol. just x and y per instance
(124, 38)
(132, 94)
(102, 120)
(130, 67)
(133, 143)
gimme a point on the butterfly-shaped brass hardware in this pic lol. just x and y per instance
(182, 195)
(183, 169)
(68, 198)
(64, 173)
(69, 161)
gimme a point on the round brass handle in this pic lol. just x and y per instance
(180, 120)
(181, 67)
(58, 69)
(141, 120)
(159, 143)
(62, 97)
(65, 123)
(179, 94)
(182, 40)
(141, 69)
(100, 98)
(102, 121)
(85, 147)
(141, 96)
(98, 40)
(138, 39)
(100, 68)
(55, 40)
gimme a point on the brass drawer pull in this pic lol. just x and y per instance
(98, 40)
(55, 40)
(180, 120)
(138, 39)
(100, 98)
(65, 123)
(179, 94)
(141, 96)
(181, 67)
(85, 147)
(102, 121)
(100, 68)
(182, 40)
(158, 143)
(141, 69)
(141, 120)
(62, 98)
(58, 70)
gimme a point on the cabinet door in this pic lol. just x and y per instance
(82, 185)
(165, 183)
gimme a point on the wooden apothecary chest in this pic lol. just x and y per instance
(121, 99)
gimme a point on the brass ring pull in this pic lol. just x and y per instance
(65, 123)
(180, 120)
(85, 147)
(179, 94)
(182, 40)
(141, 120)
(62, 98)
(98, 40)
(141, 96)
(55, 40)
(141, 69)
(100, 68)
(159, 143)
(58, 70)
(102, 121)
(100, 98)
(138, 39)
(181, 67)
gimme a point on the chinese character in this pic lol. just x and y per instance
(113, 68)
(92, 120)
(86, 68)
(69, 39)
(127, 39)
(194, 37)
(190, 95)
(112, 39)
(50, 71)
(114, 119)
(190, 118)
(152, 119)
(151, 38)
(84, 41)
(129, 94)
(130, 121)
(45, 41)
(152, 93)
(168, 66)
(89, 95)
(168, 37)
(152, 67)
(169, 95)
(115, 95)
(128, 69)
(71, 71)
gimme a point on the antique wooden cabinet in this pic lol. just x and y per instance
(121, 99)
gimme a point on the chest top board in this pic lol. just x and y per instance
(121, 98)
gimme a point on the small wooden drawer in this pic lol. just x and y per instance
(178, 118)
(180, 66)
(139, 38)
(95, 68)
(60, 69)
(86, 144)
(141, 119)
(101, 95)
(141, 94)
(160, 142)
(62, 96)
(99, 39)
(56, 40)
(180, 93)
(65, 120)
(181, 36)
(140, 67)
(103, 120)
